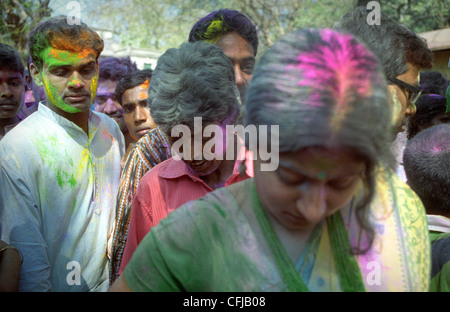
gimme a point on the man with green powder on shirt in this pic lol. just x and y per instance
(60, 168)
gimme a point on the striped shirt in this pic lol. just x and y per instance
(150, 150)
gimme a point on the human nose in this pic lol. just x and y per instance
(239, 76)
(312, 202)
(140, 115)
(75, 81)
(110, 107)
(5, 90)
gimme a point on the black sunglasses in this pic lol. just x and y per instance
(414, 92)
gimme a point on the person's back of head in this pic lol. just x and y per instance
(393, 44)
(194, 80)
(426, 160)
(217, 23)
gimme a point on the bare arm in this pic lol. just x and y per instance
(10, 263)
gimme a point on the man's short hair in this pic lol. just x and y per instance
(217, 23)
(393, 44)
(132, 80)
(57, 33)
(113, 68)
(10, 59)
(426, 161)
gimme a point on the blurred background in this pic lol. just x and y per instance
(143, 29)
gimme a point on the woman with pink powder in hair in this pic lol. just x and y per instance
(332, 217)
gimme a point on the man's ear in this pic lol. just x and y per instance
(36, 74)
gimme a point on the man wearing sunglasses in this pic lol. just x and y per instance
(401, 53)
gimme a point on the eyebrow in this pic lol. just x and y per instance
(249, 59)
(65, 65)
(15, 77)
(289, 166)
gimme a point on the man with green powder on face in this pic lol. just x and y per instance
(60, 168)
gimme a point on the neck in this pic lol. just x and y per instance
(218, 178)
(293, 241)
(81, 119)
(6, 122)
(129, 140)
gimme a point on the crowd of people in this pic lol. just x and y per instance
(114, 178)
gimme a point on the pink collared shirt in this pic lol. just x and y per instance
(163, 189)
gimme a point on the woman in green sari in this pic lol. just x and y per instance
(332, 216)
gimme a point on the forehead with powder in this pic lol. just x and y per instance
(336, 67)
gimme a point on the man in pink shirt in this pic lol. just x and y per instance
(193, 99)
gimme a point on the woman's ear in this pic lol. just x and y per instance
(36, 74)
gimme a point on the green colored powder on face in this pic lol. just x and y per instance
(57, 100)
(53, 89)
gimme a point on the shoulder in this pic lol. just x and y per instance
(393, 192)
(151, 183)
(153, 148)
(22, 137)
(154, 174)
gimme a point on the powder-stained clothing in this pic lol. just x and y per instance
(152, 149)
(57, 199)
(217, 244)
(439, 227)
(166, 187)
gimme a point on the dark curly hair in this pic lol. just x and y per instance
(211, 27)
(132, 80)
(113, 68)
(10, 59)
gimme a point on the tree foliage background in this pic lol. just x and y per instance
(160, 25)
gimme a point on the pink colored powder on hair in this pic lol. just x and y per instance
(338, 66)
